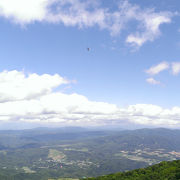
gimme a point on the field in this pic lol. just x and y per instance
(68, 155)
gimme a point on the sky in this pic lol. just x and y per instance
(129, 77)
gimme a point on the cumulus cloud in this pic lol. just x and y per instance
(88, 14)
(158, 68)
(31, 98)
(152, 81)
(176, 68)
(24, 11)
(15, 85)
(151, 114)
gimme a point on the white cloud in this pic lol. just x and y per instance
(150, 23)
(158, 68)
(148, 114)
(87, 14)
(15, 85)
(152, 81)
(40, 104)
(24, 11)
(176, 68)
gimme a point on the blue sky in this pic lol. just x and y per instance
(130, 75)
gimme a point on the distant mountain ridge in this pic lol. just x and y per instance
(159, 138)
(76, 152)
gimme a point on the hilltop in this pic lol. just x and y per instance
(162, 171)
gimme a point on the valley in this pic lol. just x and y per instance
(54, 153)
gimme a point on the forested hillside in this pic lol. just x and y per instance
(162, 171)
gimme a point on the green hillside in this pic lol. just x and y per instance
(44, 153)
(162, 171)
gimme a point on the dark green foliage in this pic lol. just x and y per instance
(162, 171)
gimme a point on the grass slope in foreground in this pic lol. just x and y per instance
(162, 171)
